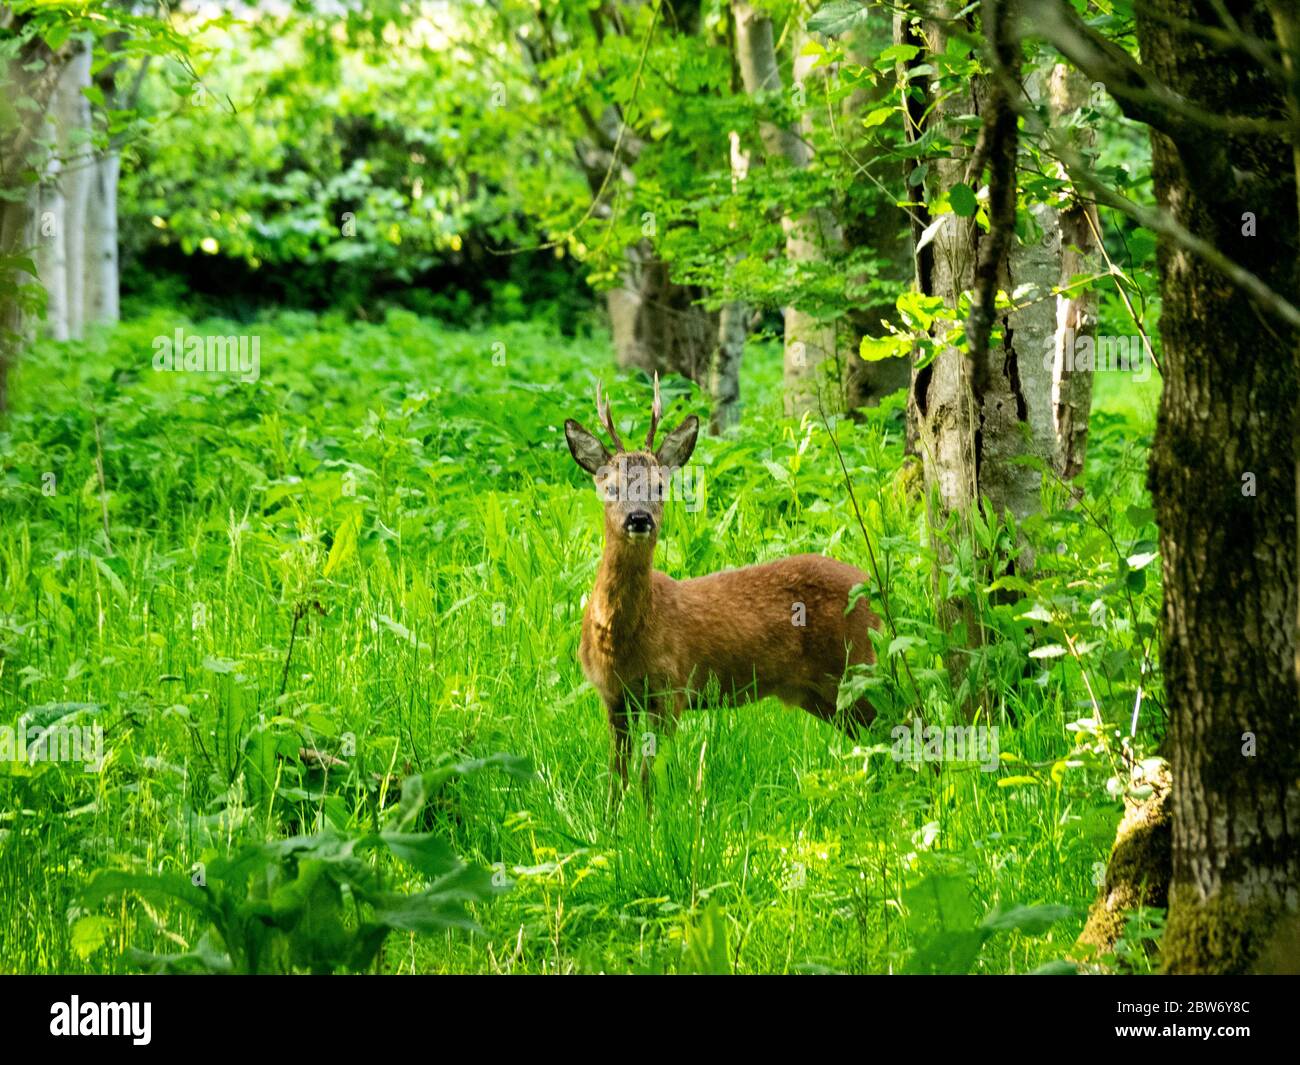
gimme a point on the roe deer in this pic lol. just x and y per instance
(655, 643)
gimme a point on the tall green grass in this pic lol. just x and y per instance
(404, 490)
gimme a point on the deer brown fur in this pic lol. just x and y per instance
(654, 643)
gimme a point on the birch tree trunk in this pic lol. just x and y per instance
(1044, 329)
(77, 175)
(972, 420)
(942, 409)
(51, 250)
(102, 275)
(808, 342)
(733, 328)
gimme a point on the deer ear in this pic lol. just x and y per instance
(587, 450)
(678, 445)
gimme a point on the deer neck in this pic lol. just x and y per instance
(621, 601)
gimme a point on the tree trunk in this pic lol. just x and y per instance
(102, 277)
(809, 342)
(77, 175)
(733, 329)
(655, 323)
(1223, 478)
(943, 413)
(51, 251)
(976, 412)
(1137, 872)
(1056, 395)
(658, 324)
(17, 235)
(30, 77)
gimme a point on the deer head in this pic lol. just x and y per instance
(632, 483)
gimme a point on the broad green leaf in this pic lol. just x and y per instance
(839, 16)
(345, 543)
(962, 198)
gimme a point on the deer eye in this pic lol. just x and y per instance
(610, 491)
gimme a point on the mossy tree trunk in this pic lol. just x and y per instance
(1223, 478)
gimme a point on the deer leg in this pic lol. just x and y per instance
(620, 754)
(662, 712)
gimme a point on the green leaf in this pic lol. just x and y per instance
(839, 16)
(707, 952)
(878, 117)
(1037, 612)
(952, 953)
(902, 643)
(428, 853)
(894, 52)
(962, 198)
(1140, 516)
(873, 349)
(56, 36)
(1031, 920)
(89, 933)
(345, 543)
(159, 887)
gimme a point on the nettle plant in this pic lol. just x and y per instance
(320, 903)
(1079, 624)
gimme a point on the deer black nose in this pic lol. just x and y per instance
(639, 521)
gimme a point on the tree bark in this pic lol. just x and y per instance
(942, 410)
(33, 76)
(1222, 475)
(733, 329)
(976, 412)
(1057, 396)
(77, 177)
(17, 235)
(51, 250)
(1137, 872)
(809, 342)
(102, 275)
(657, 324)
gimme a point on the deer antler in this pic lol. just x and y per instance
(656, 412)
(602, 412)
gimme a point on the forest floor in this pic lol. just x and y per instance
(405, 488)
